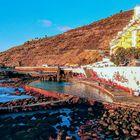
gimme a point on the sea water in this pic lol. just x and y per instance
(8, 94)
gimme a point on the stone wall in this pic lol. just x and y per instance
(49, 93)
(127, 77)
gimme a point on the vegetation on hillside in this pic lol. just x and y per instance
(125, 56)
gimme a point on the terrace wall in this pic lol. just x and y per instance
(127, 78)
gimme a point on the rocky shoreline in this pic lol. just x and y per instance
(76, 118)
(114, 124)
(81, 121)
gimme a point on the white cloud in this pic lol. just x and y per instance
(49, 23)
(46, 23)
(64, 28)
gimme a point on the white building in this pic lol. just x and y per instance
(104, 63)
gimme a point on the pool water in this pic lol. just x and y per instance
(77, 89)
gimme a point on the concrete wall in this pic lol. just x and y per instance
(56, 95)
(78, 70)
(124, 76)
(128, 77)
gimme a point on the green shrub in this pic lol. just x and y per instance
(123, 56)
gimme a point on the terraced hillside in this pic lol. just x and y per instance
(82, 45)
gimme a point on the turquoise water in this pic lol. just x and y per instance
(6, 69)
(52, 86)
(77, 89)
(8, 94)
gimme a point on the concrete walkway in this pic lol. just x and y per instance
(119, 96)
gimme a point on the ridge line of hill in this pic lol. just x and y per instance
(77, 46)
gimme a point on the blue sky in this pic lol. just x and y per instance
(22, 20)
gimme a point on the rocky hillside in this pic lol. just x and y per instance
(82, 45)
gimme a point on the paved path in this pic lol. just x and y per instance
(119, 96)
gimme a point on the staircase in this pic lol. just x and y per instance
(88, 74)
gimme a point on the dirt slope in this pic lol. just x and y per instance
(80, 45)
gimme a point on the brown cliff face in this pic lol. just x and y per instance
(77, 46)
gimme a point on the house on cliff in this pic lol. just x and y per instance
(130, 35)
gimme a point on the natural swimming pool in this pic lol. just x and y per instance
(77, 89)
